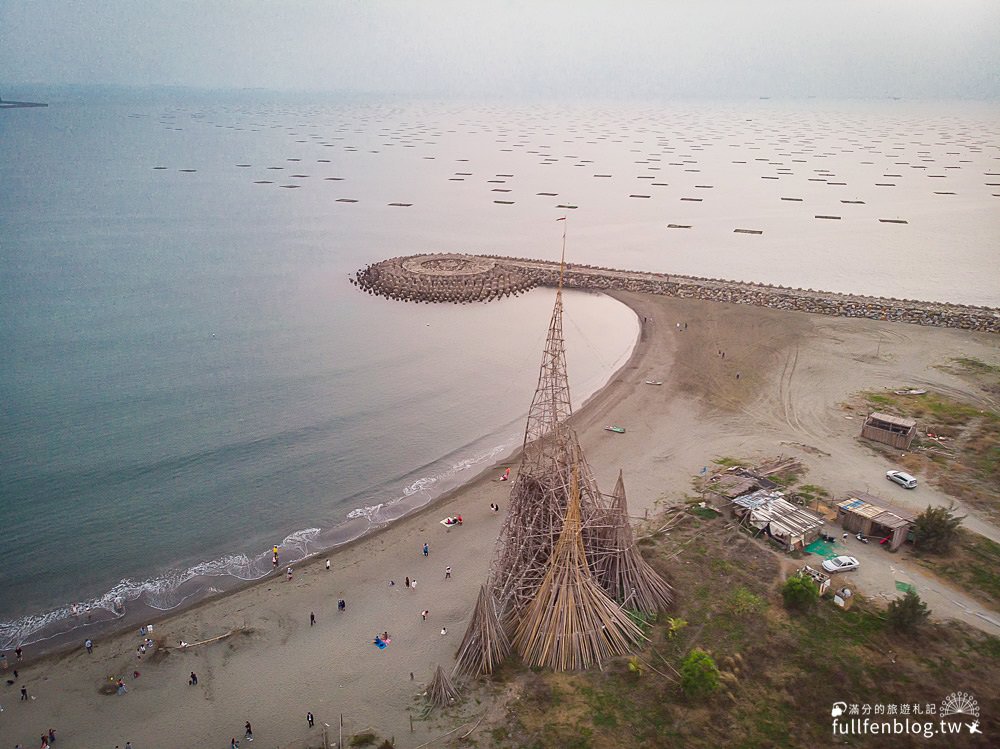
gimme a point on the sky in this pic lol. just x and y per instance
(928, 49)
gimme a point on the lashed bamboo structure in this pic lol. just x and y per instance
(441, 692)
(485, 644)
(572, 623)
(554, 475)
(626, 576)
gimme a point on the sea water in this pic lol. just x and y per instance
(189, 377)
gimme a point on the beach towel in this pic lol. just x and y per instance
(380, 645)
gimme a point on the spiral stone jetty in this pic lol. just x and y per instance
(460, 278)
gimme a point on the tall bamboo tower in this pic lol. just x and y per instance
(553, 469)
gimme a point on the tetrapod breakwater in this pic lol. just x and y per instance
(461, 278)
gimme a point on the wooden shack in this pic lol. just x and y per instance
(859, 513)
(769, 513)
(891, 430)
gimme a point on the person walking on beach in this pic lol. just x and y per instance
(341, 605)
(309, 719)
(427, 550)
(444, 631)
(328, 565)
(24, 694)
(413, 583)
(312, 618)
(447, 573)
(193, 681)
(423, 614)
(248, 732)
(89, 644)
(17, 652)
(407, 581)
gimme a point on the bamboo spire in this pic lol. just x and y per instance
(485, 644)
(625, 575)
(571, 623)
(441, 692)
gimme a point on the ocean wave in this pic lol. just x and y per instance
(173, 588)
(161, 593)
(376, 514)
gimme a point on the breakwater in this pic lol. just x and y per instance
(460, 278)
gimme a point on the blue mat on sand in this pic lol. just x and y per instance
(380, 645)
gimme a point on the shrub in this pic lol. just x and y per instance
(699, 674)
(907, 613)
(366, 738)
(936, 529)
(800, 592)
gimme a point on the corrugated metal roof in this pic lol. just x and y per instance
(784, 518)
(891, 520)
(897, 420)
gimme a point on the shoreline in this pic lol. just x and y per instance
(62, 643)
(279, 665)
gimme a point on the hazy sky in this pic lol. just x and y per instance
(582, 48)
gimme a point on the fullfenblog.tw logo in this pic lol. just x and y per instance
(958, 713)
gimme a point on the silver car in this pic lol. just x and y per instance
(841, 564)
(905, 480)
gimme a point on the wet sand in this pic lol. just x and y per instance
(794, 368)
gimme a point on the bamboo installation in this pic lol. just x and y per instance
(485, 644)
(578, 587)
(572, 623)
(441, 692)
(627, 576)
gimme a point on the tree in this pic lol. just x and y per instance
(800, 592)
(699, 674)
(936, 529)
(907, 613)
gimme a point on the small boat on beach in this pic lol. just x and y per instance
(910, 392)
(616, 430)
(654, 382)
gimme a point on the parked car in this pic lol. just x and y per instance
(841, 564)
(903, 479)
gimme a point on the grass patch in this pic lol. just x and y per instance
(976, 366)
(778, 673)
(973, 565)
(727, 462)
(965, 461)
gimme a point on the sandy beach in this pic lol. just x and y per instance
(794, 369)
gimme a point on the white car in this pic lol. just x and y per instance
(905, 480)
(841, 564)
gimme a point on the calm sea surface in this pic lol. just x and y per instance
(187, 377)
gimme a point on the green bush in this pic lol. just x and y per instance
(936, 529)
(907, 613)
(800, 592)
(699, 674)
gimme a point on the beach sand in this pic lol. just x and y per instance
(795, 369)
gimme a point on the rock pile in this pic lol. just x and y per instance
(480, 278)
